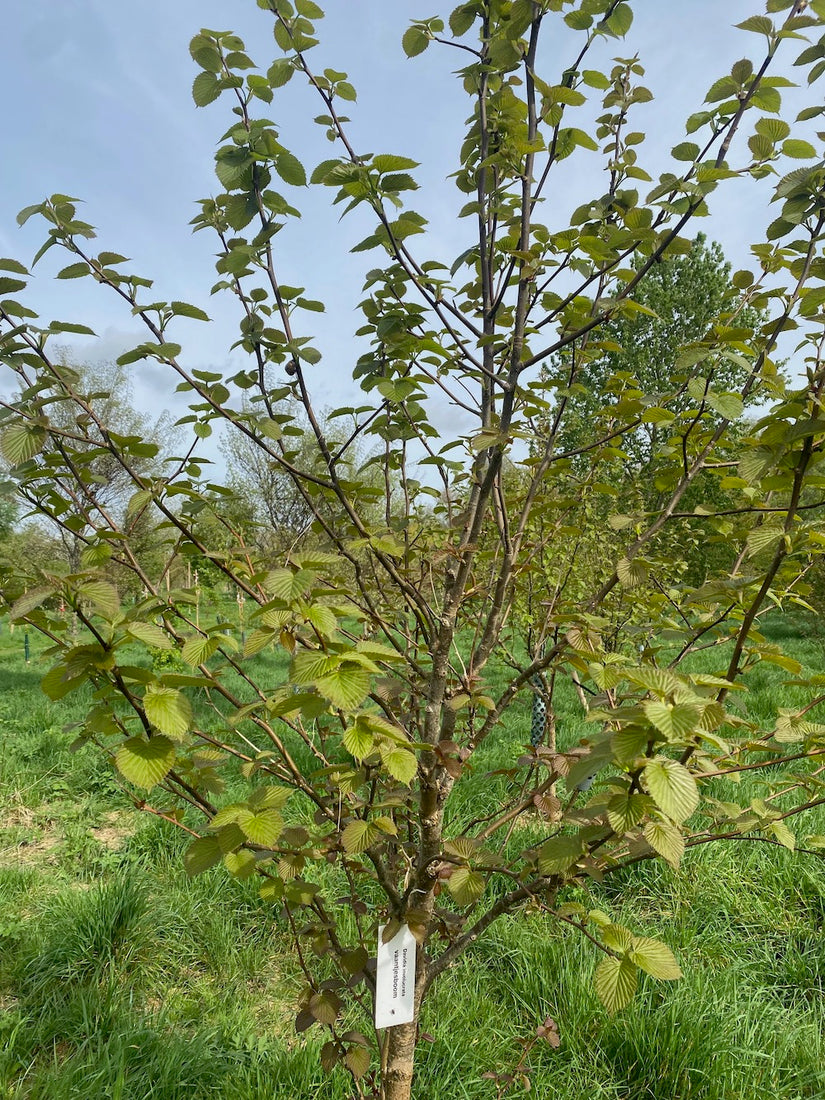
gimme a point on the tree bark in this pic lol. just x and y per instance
(398, 1062)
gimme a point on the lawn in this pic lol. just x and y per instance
(122, 979)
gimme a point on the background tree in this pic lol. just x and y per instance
(373, 789)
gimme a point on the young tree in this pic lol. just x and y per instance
(358, 765)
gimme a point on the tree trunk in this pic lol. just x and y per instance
(398, 1062)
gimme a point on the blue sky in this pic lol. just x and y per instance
(97, 96)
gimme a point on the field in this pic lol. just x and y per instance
(120, 979)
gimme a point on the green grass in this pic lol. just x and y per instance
(121, 979)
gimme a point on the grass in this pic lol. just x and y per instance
(121, 979)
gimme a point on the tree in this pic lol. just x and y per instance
(405, 626)
(97, 476)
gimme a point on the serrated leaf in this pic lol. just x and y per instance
(616, 937)
(358, 836)
(74, 271)
(358, 739)
(145, 763)
(414, 41)
(661, 681)
(631, 573)
(400, 763)
(184, 309)
(357, 1061)
(728, 405)
(323, 619)
(169, 710)
(759, 24)
(559, 854)
(8, 264)
(280, 72)
(665, 838)
(672, 788)
(20, 442)
(30, 600)
(461, 19)
(198, 649)
(150, 634)
(761, 538)
(289, 584)
(624, 811)
(11, 286)
(103, 595)
(783, 834)
(202, 854)
(620, 21)
(629, 744)
(615, 982)
(205, 89)
(240, 865)
(290, 169)
(345, 686)
(466, 886)
(262, 827)
(655, 958)
(674, 720)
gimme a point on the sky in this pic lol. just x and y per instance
(98, 106)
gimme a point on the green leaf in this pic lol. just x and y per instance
(625, 810)
(560, 854)
(621, 20)
(390, 162)
(664, 838)
(103, 595)
(672, 787)
(798, 149)
(414, 41)
(761, 538)
(202, 854)
(729, 405)
(631, 573)
(150, 634)
(263, 827)
(759, 24)
(783, 834)
(358, 836)
(145, 763)
(685, 150)
(629, 744)
(290, 169)
(674, 720)
(184, 309)
(595, 79)
(289, 584)
(615, 982)
(655, 958)
(21, 442)
(11, 286)
(240, 865)
(280, 72)
(461, 19)
(466, 886)
(400, 763)
(358, 739)
(169, 710)
(346, 686)
(205, 89)
(198, 649)
(30, 600)
(74, 271)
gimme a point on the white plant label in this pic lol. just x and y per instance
(395, 979)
